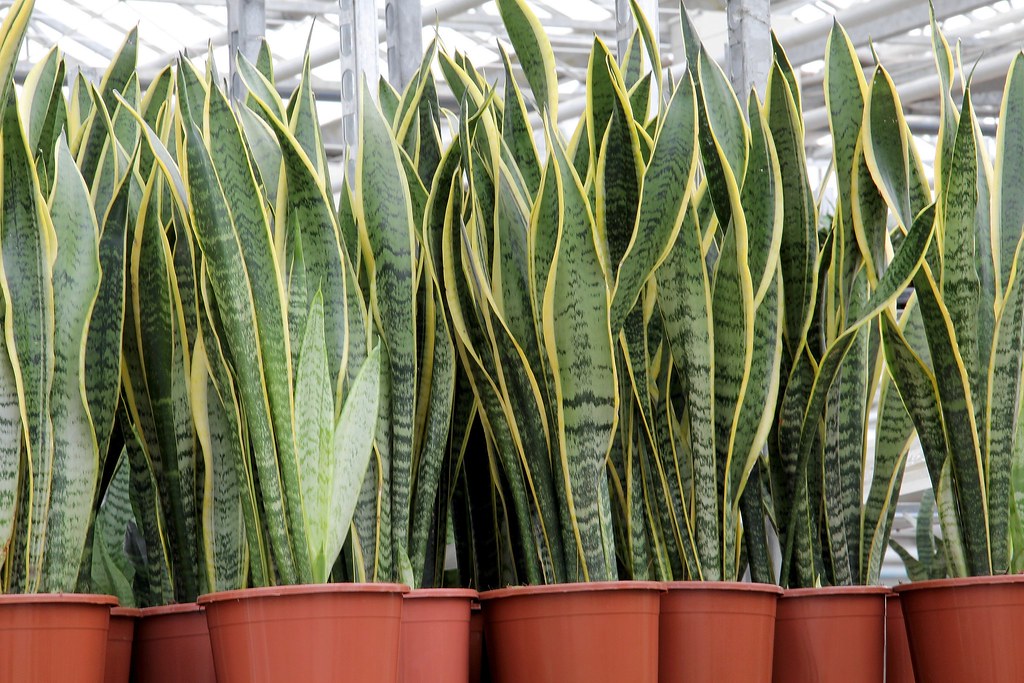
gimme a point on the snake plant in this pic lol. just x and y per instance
(961, 383)
(547, 267)
(401, 510)
(275, 335)
(836, 382)
(250, 386)
(63, 298)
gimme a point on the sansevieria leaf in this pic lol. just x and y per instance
(578, 343)
(12, 33)
(535, 54)
(76, 274)
(29, 249)
(352, 448)
(663, 202)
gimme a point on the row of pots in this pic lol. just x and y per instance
(945, 631)
(368, 632)
(637, 631)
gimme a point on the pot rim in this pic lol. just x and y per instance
(734, 586)
(567, 588)
(964, 582)
(441, 593)
(164, 610)
(132, 612)
(58, 598)
(834, 590)
(300, 589)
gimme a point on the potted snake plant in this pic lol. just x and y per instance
(283, 381)
(420, 425)
(59, 377)
(712, 354)
(537, 300)
(961, 385)
(833, 537)
(151, 500)
(100, 137)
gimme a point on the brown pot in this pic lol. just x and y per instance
(830, 635)
(327, 632)
(54, 637)
(898, 666)
(119, 644)
(573, 633)
(172, 644)
(435, 636)
(476, 643)
(712, 632)
(966, 629)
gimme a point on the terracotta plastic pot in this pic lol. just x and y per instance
(119, 644)
(435, 636)
(172, 644)
(56, 637)
(331, 632)
(966, 629)
(830, 635)
(712, 632)
(898, 666)
(573, 633)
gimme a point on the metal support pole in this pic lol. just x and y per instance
(403, 21)
(359, 45)
(624, 24)
(247, 25)
(750, 46)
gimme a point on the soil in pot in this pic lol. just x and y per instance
(435, 637)
(966, 629)
(573, 633)
(172, 645)
(120, 637)
(58, 637)
(322, 633)
(830, 635)
(712, 632)
(898, 666)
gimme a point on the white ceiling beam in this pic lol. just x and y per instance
(106, 51)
